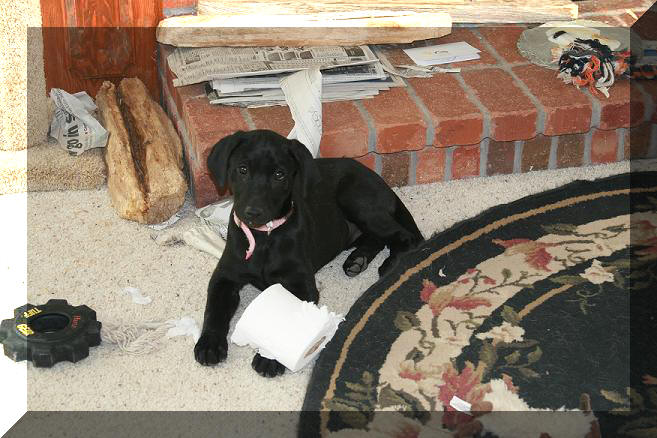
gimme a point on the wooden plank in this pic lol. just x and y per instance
(350, 28)
(462, 11)
(144, 154)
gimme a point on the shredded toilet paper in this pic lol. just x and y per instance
(185, 326)
(282, 327)
(136, 295)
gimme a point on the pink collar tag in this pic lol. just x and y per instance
(268, 227)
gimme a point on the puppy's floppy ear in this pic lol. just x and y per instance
(219, 156)
(308, 174)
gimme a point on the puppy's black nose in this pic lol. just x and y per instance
(252, 212)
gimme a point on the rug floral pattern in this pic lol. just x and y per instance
(502, 335)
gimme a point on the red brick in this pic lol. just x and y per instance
(616, 111)
(604, 145)
(602, 6)
(206, 125)
(536, 153)
(204, 189)
(465, 162)
(513, 114)
(430, 166)
(500, 157)
(457, 120)
(567, 110)
(344, 131)
(637, 141)
(504, 40)
(463, 34)
(368, 160)
(274, 118)
(394, 168)
(398, 121)
(396, 54)
(179, 94)
(570, 150)
(170, 4)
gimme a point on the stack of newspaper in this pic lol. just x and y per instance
(250, 76)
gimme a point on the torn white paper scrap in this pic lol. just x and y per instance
(136, 295)
(460, 405)
(205, 239)
(217, 216)
(282, 327)
(303, 93)
(443, 53)
(185, 326)
(168, 238)
(73, 125)
(166, 224)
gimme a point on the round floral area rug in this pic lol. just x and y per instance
(534, 319)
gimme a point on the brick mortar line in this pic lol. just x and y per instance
(483, 156)
(371, 126)
(412, 169)
(246, 115)
(378, 163)
(596, 109)
(541, 116)
(586, 156)
(554, 145)
(487, 66)
(487, 119)
(652, 145)
(430, 137)
(449, 158)
(647, 102)
(517, 156)
(620, 149)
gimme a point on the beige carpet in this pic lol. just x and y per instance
(78, 249)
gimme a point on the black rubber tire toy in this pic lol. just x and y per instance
(50, 333)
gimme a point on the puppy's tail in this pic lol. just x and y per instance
(405, 219)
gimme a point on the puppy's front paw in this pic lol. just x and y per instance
(267, 367)
(211, 349)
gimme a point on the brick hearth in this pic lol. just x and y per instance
(500, 115)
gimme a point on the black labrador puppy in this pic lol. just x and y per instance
(292, 215)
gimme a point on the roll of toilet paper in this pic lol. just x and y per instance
(282, 327)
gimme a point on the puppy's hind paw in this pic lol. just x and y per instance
(211, 349)
(267, 367)
(354, 266)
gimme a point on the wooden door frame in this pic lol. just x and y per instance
(55, 41)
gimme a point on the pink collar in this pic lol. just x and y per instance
(268, 227)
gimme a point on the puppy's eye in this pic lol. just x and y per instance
(243, 170)
(279, 175)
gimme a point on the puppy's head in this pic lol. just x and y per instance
(265, 172)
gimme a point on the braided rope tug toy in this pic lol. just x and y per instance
(589, 63)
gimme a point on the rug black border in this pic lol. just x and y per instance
(575, 188)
